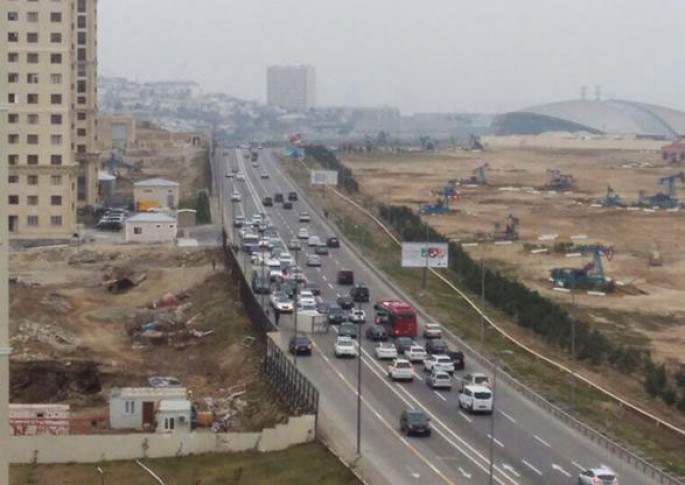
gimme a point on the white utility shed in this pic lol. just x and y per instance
(136, 407)
(151, 227)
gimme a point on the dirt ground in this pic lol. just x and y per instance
(650, 307)
(73, 339)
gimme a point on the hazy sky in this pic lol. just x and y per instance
(428, 56)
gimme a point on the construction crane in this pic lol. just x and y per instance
(666, 197)
(510, 231)
(590, 276)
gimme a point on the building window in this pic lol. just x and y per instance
(55, 37)
(13, 118)
(12, 98)
(55, 99)
(13, 200)
(32, 57)
(81, 100)
(158, 226)
(80, 54)
(56, 140)
(32, 16)
(55, 159)
(56, 78)
(169, 423)
(12, 57)
(12, 138)
(81, 87)
(32, 179)
(55, 17)
(13, 223)
(12, 16)
(81, 132)
(12, 77)
(32, 37)
(55, 58)
(32, 139)
(56, 200)
(12, 37)
(56, 221)
(81, 37)
(55, 180)
(32, 159)
(81, 70)
(55, 119)
(13, 179)
(137, 230)
(32, 200)
(81, 116)
(32, 78)
(12, 159)
(81, 6)
(130, 407)
(80, 149)
(32, 98)
(32, 118)
(81, 22)
(32, 221)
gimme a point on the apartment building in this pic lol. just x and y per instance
(291, 87)
(49, 78)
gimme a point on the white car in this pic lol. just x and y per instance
(357, 315)
(306, 300)
(294, 244)
(385, 350)
(416, 353)
(401, 369)
(284, 305)
(439, 362)
(304, 217)
(236, 197)
(286, 258)
(345, 347)
(314, 241)
(307, 294)
(598, 476)
(439, 380)
(303, 233)
(240, 177)
(313, 260)
(476, 399)
(475, 379)
(264, 175)
(432, 330)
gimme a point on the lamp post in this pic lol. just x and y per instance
(425, 268)
(359, 383)
(295, 304)
(482, 293)
(573, 341)
(495, 362)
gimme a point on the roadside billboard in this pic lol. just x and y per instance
(324, 177)
(420, 255)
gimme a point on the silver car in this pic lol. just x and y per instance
(598, 476)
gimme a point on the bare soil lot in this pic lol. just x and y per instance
(73, 339)
(649, 309)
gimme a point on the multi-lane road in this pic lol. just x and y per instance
(529, 445)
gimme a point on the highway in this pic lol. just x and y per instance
(530, 446)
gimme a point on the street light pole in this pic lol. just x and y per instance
(573, 341)
(359, 384)
(492, 415)
(425, 268)
(482, 293)
(295, 304)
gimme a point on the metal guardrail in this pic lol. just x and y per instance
(594, 435)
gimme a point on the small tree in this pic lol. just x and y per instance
(669, 396)
(202, 207)
(656, 381)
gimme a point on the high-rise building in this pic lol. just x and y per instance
(49, 78)
(291, 87)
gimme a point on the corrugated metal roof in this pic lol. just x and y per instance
(156, 182)
(105, 177)
(150, 217)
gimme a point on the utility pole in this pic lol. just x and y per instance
(359, 384)
(482, 293)
(496, 363)
(5, 349)
(295, 305)
(425, 268)
(573, 341)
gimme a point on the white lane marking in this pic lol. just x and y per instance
(579, 467)
(511, 470)
(464, 474)
(414, 474)
(542, 441)
(531, 467)
(499, 443)
(440, 396)
(418, 377)
(337, 295)
(465, 417)
(324, 278)
(508, 417)
(331, 286)
(318, 269)
(559, 469)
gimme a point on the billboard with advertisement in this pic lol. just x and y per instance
(324, 177)
(417, 254)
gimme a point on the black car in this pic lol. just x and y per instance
(415, 422)
(345, 302)
(348, 329)
(321, 250)
(288, 287)
(287, 205)
(333, 242)
(336, 314)
(360, 293)
(300, 345)
(109, 226)
(323, 307)
(313, 287)
(260, 283)
(278, 197)
(403, 343)
(268, 202)
(345, 277)
(457, 357)
(436, 346)
(376, 333)
(292, 195)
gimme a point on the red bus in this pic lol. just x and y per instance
(397, 317)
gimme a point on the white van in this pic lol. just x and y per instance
(313, 241)
(476, 399)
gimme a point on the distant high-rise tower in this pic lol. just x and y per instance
(49, 79)
(291, 87)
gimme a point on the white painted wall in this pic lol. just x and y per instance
(151, 232)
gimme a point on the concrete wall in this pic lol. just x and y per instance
(166, 232)
(560, 142)
(95, 448)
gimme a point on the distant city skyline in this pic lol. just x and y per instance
(442, 57)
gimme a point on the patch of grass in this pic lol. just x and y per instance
(311, 463)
